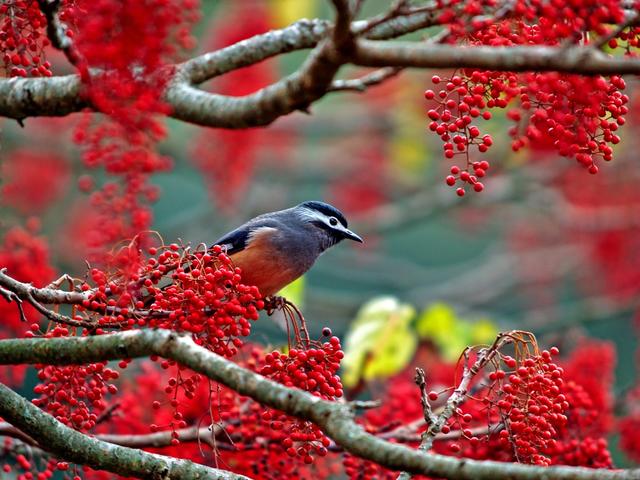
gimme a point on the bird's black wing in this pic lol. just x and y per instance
(237, 240)
(234, 241)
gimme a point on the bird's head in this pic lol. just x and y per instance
(327, 220)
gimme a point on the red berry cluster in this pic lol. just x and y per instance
(205, 297)
(628, 40)
(122, 206)
(533, 408)
(581, 442)
(578, 116)
(178, 387)
(22, 464)
(23, 39)
(360, 469)
(538, 21)
(132, 43)
(457, 104)
(311, 369)
(578, 126)
(74, 394)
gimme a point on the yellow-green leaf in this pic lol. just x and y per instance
(483, 331)
(451, 334)
(285, 12)
(380, 341)
(436, 321)
(294, 292)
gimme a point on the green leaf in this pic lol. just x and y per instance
(436, 322)
(380, 341)
(294, 292)
(483, 331)
(451, 334)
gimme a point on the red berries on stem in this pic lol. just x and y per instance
(577, 115)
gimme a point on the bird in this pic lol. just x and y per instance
(274, 249)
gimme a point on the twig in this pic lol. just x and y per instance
(13, 297)
(108, 413)
(399, 8)
(163, 438)
(458, 396)
(451, 435)
(421, 381)
(58, 317)
(57, 34)
(369, 80)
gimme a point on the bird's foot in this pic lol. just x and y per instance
(274, 302)
(292, 318)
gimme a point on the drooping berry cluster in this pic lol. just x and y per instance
(130, 45)
(311, 369)
(577, 116)
(74, 395)
(23, 39)
(457, 104)
(179, 387)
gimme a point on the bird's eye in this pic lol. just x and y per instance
(333, 221)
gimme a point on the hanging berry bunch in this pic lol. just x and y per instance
(546, 107)
(312, 368)
(131, 47)
(23, 39)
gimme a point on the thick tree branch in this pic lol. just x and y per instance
(295, 92)
(59, 96)
(68, 444)
(578, 59)
(303, 34)
(334, 418)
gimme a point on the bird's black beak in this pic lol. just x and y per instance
(352, 236)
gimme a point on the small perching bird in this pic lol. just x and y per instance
(274, 249)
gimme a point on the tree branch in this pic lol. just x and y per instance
(59, 96)
(369, 80)
(43, 295)
(578, 59)
(335, 419)
(68, 444)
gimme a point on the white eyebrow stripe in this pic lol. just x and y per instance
(307, 213)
